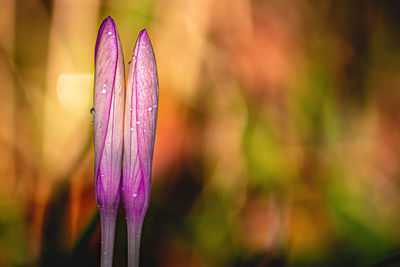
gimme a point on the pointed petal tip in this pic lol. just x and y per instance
(143, 31)
(142, 39)
(107, 22)
(143, 35)
(107, 26)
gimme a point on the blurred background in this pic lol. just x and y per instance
(278, 136)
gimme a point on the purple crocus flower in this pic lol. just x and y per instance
(109, 95)
(139, 133)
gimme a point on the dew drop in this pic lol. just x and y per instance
(132, 129)
(149, 109)
(102, 175)
(138, 122)
(100, 129)
(154, 106)
(134, 195)
(109, 33)
(130, 108)
(103, 91)
(92, 111)
(104, 85)
(144, 130)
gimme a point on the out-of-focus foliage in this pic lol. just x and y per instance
(278, 137)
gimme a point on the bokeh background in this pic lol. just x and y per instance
(278, 136)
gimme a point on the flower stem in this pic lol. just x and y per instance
(134, 235)
(107, 240)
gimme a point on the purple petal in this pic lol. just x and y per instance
(100, 33)
(139, 127)
(109, 90)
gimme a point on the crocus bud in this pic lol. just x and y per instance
(141, 107)
(109, 92)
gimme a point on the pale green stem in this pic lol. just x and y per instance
(107, 240)
(134, 235)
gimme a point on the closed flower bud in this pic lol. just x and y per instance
(109, 92)
(141, 107)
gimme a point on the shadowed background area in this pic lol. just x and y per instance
(277, 144)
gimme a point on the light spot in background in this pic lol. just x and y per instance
(74, 91)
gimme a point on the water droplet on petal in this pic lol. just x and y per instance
(132, 129)
(92, 111)
(144, 130)
(103, 91)
(149, 109)
(109, 33)
(130, 109)
(104, 85)
(134, 195)
(138, 122)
